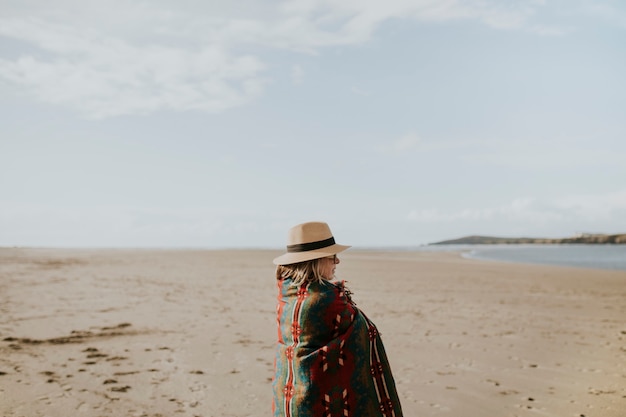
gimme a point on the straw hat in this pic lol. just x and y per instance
(307, 241)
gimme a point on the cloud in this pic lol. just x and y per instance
(523, 153)
(519, 209)
(594, 206)
(297, 74)
(411, 141)
(406, 142)
(360, 92)
(545, 30)
(103, 76)
(607, 11)
(126, 57)
(121, 226)
(608, 208)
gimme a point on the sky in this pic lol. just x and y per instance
(215, 124)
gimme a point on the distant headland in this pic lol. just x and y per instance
(582, 238)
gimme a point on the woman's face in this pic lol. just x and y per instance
(328, 265)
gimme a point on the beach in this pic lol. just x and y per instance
(105, 332)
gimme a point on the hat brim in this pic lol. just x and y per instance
(295, 257)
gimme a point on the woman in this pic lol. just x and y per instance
(330, 360)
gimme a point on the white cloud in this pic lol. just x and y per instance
(360, 92)
(297, 74)
(125, 57)
(608, 11)
(406, 142)
(609, 208)
(540, 153)
(544, 30)
(105, 76)
(518, 209)
(120, 226)
(594, 207)
(411, 141)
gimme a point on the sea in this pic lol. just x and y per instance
(611, 257)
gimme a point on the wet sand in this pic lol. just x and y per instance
(191, 333)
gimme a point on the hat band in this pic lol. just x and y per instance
(304, 247)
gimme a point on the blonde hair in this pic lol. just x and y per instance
(302, 272)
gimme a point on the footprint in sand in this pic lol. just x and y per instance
(116, 358)
(494, 382)
(96, 355)
(51, 376)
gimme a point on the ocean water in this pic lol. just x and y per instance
(583, 256)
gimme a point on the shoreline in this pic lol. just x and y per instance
(468, 251)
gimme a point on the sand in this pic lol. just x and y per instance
(192, 333)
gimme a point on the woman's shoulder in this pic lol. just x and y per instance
(325, 287)
(330, 291)
(314, 290)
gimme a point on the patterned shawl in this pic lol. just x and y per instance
(330, 360)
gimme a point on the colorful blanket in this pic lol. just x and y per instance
(330, 360)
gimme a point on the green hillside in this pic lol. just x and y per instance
(491, 240)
